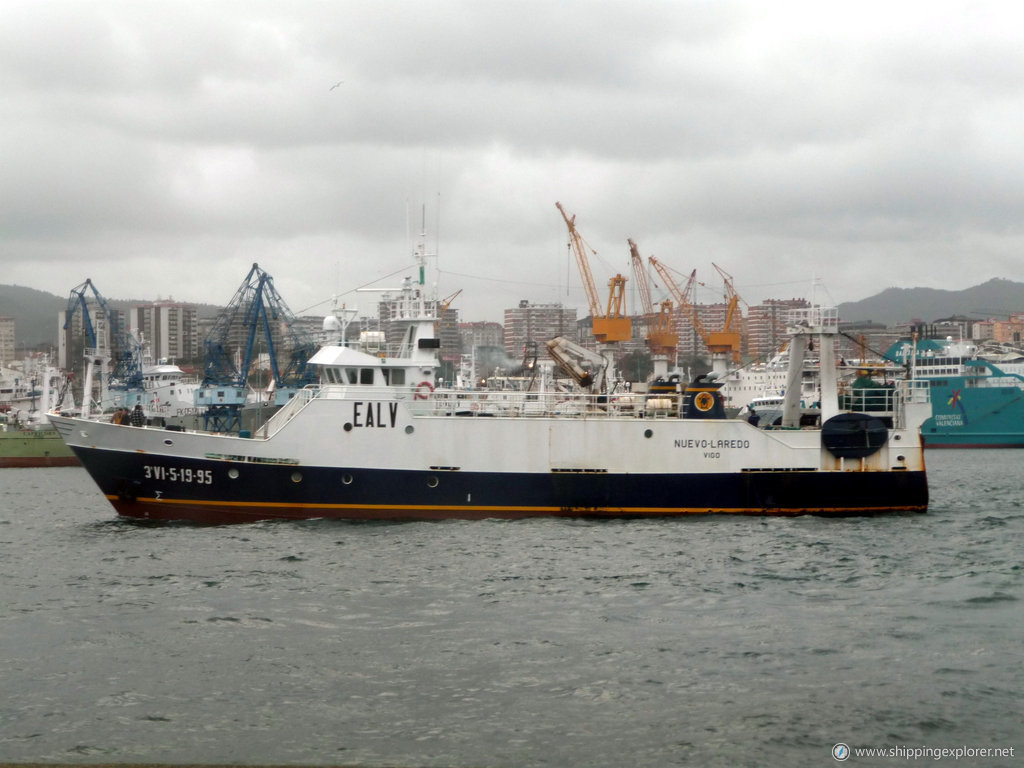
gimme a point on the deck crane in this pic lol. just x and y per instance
(586, 367)
(115, 344)
(610, 324)
(723, 345)
(661, 341)
(256, 309)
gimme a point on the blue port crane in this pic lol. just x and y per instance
(121, 346)
(256, 311)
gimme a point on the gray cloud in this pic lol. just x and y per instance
(161, 149)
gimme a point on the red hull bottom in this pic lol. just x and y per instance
(39, 461)
(219, 514)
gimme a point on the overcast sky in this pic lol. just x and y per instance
(161, 148)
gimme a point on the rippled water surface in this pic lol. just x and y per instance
(705, 641)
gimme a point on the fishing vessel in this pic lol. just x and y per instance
(27, 439)
(167, 396)
(42, 447)
(976, 403)
(376, 439)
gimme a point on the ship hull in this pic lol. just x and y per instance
(35, 449)
(965, 415)
(216, 492)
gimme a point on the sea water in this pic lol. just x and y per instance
(712, 641)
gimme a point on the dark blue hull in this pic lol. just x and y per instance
(217, 491)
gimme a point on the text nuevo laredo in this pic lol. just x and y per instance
(705, 444)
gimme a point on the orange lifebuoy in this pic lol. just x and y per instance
(423, 390)
(704, 401)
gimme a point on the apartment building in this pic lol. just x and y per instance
(169, 330)
(536, 323)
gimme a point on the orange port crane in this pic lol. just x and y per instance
(660, 338)
(609, 324)
(731, 327)
(719, 343)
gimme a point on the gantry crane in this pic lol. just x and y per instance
(610, 324)
(661, 341)
(115, 343)
(255, 306)
(723, 345)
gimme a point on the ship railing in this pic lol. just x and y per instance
(424, 400)
(817, 318)
(914, 405)
(287, 412)
(513, 404)
(886, 401)
(869, 399)
(916, 391)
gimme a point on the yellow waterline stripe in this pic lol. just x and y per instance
(477, 508)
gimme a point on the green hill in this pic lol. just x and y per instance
(35, 313)
(994, 299)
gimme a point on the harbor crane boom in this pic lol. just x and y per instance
(117, 344)
(123, 345)
(660, 338)
(609, 324)
(723, 345)
(257, 310)
(731, 326)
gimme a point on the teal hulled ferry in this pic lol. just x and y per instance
(976, 403)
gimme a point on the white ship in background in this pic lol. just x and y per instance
(769, 379)
(27, 393)
(167, 397)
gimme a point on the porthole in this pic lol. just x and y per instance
(346, 479)
(648, 433)
(409, 429)
(348, 426)
(296, 477)
(83, 433)
(233, 473)
(432, 482)
(168, 442)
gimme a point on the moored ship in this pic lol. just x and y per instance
(376, 440)
(26, 437)
(167, 397)
(32, 445)
(34, 448)
(975, 402)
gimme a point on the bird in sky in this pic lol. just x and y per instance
(336, 85)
